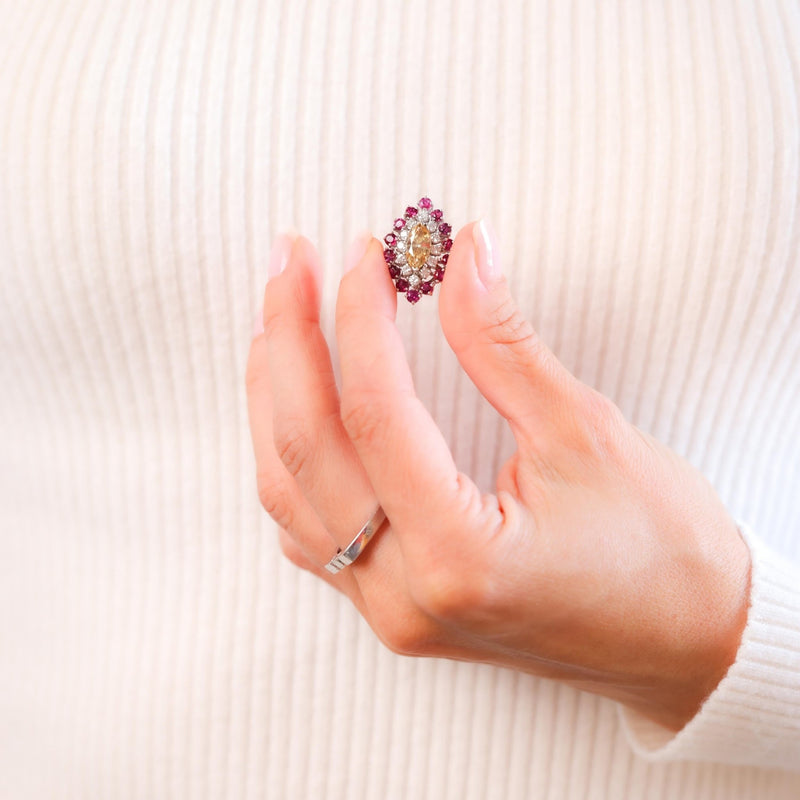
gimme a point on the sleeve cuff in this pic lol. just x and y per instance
(753, 715)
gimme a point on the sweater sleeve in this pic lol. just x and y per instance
(753, 715)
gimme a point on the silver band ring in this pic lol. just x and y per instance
(347, 556)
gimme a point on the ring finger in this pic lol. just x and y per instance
(307, 434)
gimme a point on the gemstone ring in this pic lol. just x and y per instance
(417, 249)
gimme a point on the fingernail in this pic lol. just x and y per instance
(258, 325)
(279, 254)
(487, 252)
(357, 249)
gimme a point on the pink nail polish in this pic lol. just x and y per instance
(487, 252)
(279, 254)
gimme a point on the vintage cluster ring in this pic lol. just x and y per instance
(417, 249)
(347, 556)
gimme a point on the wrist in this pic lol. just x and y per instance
(718, 615)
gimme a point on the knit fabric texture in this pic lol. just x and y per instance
(641, 164)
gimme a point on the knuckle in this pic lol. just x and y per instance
(453, 579)
(599, 425)
(291, 550)
(275, 497)
(451, 594)
(508, 326)
(256, 378)
(294, 444)
(349, 314)
(518, 345)
(362, 419)
(401, 634)
(400, 640)
(598, 408)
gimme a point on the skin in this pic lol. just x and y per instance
(603, 559)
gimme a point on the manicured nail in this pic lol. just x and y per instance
(487, 252)
(279, 254)
(357, 249)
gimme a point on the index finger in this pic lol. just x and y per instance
(402, 449)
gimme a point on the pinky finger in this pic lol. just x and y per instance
(292, 550)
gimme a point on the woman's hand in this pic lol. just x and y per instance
(603, 560)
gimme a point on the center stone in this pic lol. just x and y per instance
(419, 246)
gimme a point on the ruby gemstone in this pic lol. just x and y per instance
(444, 228)
(438, 273)
(425, 202)
(411, 211)
(436, 214)
(399, 223)
(388, 255)
(426, 287)
(412, 295)
(401, 285)
(448, 243)
(390, 238)
(394, 271)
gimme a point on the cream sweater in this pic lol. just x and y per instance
(641, 163)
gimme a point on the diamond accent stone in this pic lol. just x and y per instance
(413, 279)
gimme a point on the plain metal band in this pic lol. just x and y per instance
(353, 550)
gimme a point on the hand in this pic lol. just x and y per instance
(603, 560)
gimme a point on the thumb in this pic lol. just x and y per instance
(493, 340)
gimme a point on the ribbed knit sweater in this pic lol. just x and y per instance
(641, 164)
